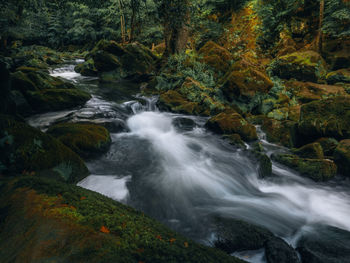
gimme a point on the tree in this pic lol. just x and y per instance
(319, 33)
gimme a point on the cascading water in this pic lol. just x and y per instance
(183, 175)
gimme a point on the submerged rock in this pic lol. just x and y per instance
(315, 169)
(231, 123)
(84, 139)
(303, 65)
(26, 150)
(342, 157)
(45, 219)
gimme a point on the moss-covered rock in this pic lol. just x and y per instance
(338, 76)
(326, 118)
(315, 169)
(121, 61)
(175, 102)
(87, 68)
(303, 65)
(328, 145)
(231, 123)
(342, 157)
(216, 56)
(281, 132)
(243, 83)
(26, 150)
(46, 220)
(84, 139)
(312, 151)
(235, 140)
(305, 92)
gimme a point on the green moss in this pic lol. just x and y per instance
(66, 222)
(342, 157)
(315, 169)
(87, 68)
(312, 150)
(281, 132)
(32, 152)
(231, 123)
(84, 139)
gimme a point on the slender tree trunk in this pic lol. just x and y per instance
(132, 25)
(122, 20)
(319, 36)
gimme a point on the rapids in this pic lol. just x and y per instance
(183, 175)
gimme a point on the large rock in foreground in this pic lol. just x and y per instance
(43, 220)
(26, 150)
(326, 118)
(304, 66)
(84, 139)
(231, 123)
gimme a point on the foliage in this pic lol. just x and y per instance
(337, 18)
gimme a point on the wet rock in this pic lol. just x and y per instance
(184, 124)
(325, 244)
(325, 118)
(304, 66)
(278, 251)
(26, 150)
(84, 139)
(235, 140)
(315, 169)
(231, 123)
(312, 151)
(87, 68)
(84, 226)
(342, 157)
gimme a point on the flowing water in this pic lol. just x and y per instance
(170, 167)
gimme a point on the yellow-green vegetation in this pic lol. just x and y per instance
(315, 169)
(84, 139)
(231, 123)
(26, 150)
(303, 65)
(312, 150)
(216, 56)
(326, 118)
(342, 157)
(46, 220)
(338, 76)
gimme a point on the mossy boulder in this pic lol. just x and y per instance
(26, 150)
(175, 102)
(86, 69)
(305, 92)
(231, 123)
(122, 61)
(216, 56)
(235, 140)
(281, 132)
(243, 83)
(302, 65)
(44, 220)
(328, 145)
(312, 150)
(315, 169)
(338, 76)
(326, 118)
(342, 157)
(84, 139)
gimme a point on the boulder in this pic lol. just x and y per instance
(278, 251)
(326, 118)
(315, 169)
(328, 145)
(342, 157)
(311, 151)
(338, 76)
(49, 220)
(231, 123)
(26, 150)
(86, 69)
(325, 244)
(216, 56)
(84, 139)
(301, 65)
(281, 132)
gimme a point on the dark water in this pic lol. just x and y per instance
(170, 167)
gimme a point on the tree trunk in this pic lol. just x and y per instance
(122, 20)
(319, 33)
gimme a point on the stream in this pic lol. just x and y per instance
(171, 168)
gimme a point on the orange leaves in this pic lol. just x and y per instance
(105, 230)
(186, 244)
